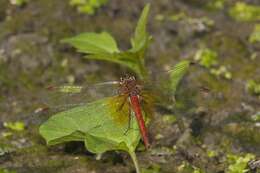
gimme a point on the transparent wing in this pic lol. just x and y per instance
(63, 97)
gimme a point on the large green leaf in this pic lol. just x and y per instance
(93, 43)
(96, 125)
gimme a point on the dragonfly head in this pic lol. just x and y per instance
(128, 85)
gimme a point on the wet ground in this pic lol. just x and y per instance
(210, 124)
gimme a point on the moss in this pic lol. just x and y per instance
(253, 87)
(246, 133)
(86, 6)
(245, 12)
(255, 35)
(221, 71)
(16, 126)
(238, 163)
(6, 171)
(186, 167)
(206, 57)
(216, 4)
(19, 2)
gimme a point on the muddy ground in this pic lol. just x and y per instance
(217, 121)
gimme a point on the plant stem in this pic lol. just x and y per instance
(133, 156)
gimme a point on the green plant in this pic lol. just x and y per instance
(245, 12)
(87, 6)
(102, 46)
(91, 123)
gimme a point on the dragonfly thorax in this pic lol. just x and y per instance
(128, 85)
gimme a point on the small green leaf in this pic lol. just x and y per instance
(177, 73)
(93, 124)
(141, 37)
(93, 43)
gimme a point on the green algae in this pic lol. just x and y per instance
(253, 87)
(245, 12)
(216, 4)
(206, 57)
(6, 171)
(19, 2)
(239, 163)
(16, 126)
(221, 71)
(255, 35)
(246, 133)
(88, 6)
(186, 167)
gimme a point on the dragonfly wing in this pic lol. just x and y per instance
(148, 102)
(68, 96)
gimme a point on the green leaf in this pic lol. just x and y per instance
(177, 73)
(95, 125)
(141, 37)
(93, 43)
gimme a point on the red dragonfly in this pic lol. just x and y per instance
(132, 91)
